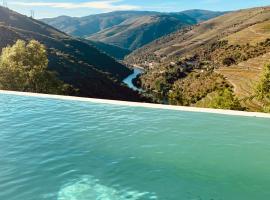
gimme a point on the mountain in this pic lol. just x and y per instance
(86, 26)
(129, 29)
(94, 73)
(227, 51)
(135, 33)
(202, 15)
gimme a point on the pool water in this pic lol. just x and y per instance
(71, 150)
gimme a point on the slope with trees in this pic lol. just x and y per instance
(77, 63)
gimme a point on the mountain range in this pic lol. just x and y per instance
(94, 73)
(129, 29)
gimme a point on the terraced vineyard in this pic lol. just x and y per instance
(244, 76)
(253, 34)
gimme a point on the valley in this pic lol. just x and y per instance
(191, 58)
(234, 46)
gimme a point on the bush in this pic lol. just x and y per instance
(225, 99)
(23, 67)
(262, 90)
(228, 61)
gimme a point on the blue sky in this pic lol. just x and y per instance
(52, 8)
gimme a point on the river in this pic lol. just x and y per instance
(128, 80)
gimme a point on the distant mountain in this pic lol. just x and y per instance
(129, 29)
(227, 51)
(86, 26)
(135, 33)
(202, 15)
(95, 74)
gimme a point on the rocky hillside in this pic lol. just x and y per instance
(234, 46)
(95, 74)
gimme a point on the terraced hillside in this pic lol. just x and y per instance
(190, 40)
(95, 74)
(244, 77)
(235, 45)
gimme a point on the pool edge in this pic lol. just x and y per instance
(139, 104)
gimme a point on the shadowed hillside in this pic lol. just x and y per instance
(94, 73)
(112, 50)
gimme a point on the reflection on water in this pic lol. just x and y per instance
(89, 188)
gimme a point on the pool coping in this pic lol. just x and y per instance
(139, 104)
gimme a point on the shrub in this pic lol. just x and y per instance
(225, 99)
(262, 90)
(228, 61)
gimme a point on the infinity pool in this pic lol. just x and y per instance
(70, 150)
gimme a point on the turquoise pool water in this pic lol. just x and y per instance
(69, 150)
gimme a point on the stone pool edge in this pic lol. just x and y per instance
(139, 104)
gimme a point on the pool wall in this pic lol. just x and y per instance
(139, 104)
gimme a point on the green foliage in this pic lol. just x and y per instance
(194, 87)
(225, 99)
(23, 67)
(262, 89)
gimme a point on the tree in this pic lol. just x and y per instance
(262, 89)
(225, 99)
(24, 67)
(263, 86)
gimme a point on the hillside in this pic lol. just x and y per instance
(129, 29)
(112, 50)
(235, 46)
(135, 33)
(94, 73)
(191, 39)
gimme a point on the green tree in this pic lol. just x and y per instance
(225, 99)
(24, 67)
(262, 89)
(263, 86)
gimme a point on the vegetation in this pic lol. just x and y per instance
(225, 99)
(24, 67)
(263, 88)
(194, 87)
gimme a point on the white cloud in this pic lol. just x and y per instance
(103, 5)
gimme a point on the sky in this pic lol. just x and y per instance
(78, 8)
